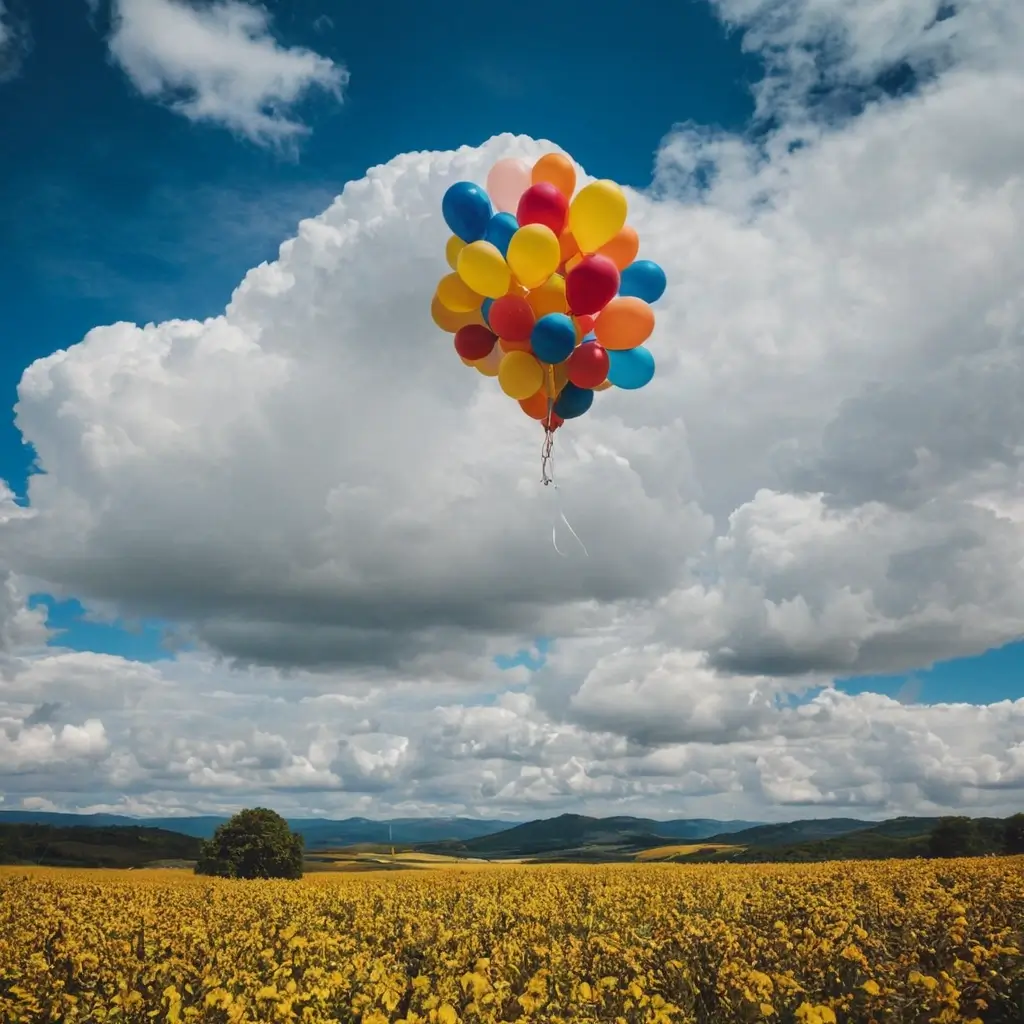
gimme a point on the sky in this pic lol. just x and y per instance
(265, 540)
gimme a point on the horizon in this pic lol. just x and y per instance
(265, 540)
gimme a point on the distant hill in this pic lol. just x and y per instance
(789, 832)
(578, 837)
(92, 846)
(318, 832)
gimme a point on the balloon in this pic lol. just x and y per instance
(631, 369)
(514, 346)
(587, 366)
(466, 210)
(520, 375)
(557, 169)
(596, 215)
(456, 295)
(584, 326)
(474, 341)
(555, 379)
(500, 229)
(485, 311)
(573, 401)
(553, 422)
(449, 321)
(452, 250)
(643, 279)
(488, 366)
(543, 204)
(624, 323)
(622, 249)
(548, 297)
(533, 254)
(468, 362)
(507, 180)
(536, 406)
(484, 269)
(512, 318)
(605, 386)
(590, 286)
(567, 247)
(553, 338)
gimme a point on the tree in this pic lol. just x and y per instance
(255, 843)
(1013, 834)
(954, 837)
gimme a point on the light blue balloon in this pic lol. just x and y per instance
(467, 210)
(573, 401)
(643, 279)
(553, 338)
(500, 229)
(631, 369)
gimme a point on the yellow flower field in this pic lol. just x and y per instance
(911, 941)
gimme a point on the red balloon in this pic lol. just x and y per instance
(588, 365)
(591, 285)
(512, 318)
(543, 204)
(474, 341)
(553, 423)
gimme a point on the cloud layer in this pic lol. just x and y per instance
(823, 479)
(220, 64)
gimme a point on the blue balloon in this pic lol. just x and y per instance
(466, 210)
(643, 279)
(553, 338)
(631, 369)
(500, 229)
(573, 401)
(485, 310)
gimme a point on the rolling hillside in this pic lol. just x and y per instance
(109, 846)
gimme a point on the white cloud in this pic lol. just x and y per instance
(824, 479)
(219, 63)
(15, 42)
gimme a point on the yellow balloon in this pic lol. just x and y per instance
(454, 246)
(603, 386)
(597, 215)
(449, 321)
(549, 297)
(520, 375)
(488, 366)
(484, 269)
(453, 293)
(555, 379)
(534, 254)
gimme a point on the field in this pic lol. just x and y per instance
(683, 850)
(902, 942)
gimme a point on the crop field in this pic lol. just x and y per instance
(670, 852)
(905, 942)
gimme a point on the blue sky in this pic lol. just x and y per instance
(126, 209)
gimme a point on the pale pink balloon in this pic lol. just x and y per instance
(507, 181)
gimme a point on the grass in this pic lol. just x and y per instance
(682, 850)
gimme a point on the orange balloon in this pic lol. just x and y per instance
(556, 169)
(548, 297)
(467, 362)
(584, 325)
(449, 321)
(573, 261)
(622, 249)
(604, 386)
(567, 245)
(625, 322)
(514, 346)
(536, 406)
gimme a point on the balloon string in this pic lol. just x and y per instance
(548, 477)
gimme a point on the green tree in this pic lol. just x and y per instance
(255, 843)
(1013, 834)
(954, 837)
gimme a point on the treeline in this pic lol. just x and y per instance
(949, 837)
(112, 846)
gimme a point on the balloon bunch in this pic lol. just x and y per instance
(546, 292)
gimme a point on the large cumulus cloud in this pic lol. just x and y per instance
(823, 479)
